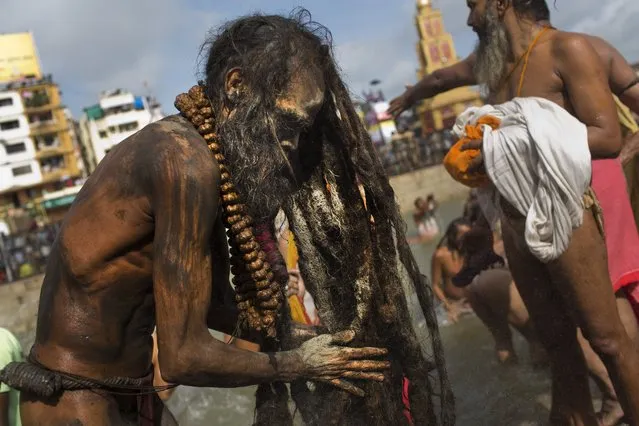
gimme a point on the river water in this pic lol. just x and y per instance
(486, 393)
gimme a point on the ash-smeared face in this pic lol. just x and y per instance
(267, 149)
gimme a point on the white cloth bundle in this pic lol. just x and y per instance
(539, 161)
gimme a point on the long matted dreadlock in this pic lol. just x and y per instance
(354, 258)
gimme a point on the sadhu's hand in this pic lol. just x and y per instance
(477, 163)
(326, 359)
(402, 102)
(630, 148)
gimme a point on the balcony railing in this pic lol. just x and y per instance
(54, 174)
(49, 151)
(43, 127)
(36, 101)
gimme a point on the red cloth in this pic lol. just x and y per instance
(622, 239)
(406, 400)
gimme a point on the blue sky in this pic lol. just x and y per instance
(92, 45)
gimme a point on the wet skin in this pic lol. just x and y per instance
(97, 308)
(144, 245)
(620, 75)
(574, 289)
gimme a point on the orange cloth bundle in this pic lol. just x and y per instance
(458, 161)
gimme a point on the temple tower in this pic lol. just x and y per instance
(436, 50)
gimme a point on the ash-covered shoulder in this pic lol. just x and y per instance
(174, 150)
(175, 131)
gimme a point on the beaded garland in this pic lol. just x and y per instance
(258, 293)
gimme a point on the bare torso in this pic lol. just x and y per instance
(545, 81)
(97, 311)
(450, 264)
(547, 75)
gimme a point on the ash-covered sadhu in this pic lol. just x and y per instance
(271, 127)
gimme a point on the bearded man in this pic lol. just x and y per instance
(144, 245)
(519, 55)
(622, 80)
(607, 183)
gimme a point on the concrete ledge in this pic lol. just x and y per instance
(19, 307)
(432, 180)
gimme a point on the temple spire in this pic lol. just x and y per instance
(423, 3)
(436, 50)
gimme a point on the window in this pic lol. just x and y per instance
(103, 134)
(16, 148)
(22, 170)
(50, 140)
(4, 102)
(9, 125)
(119, 109)
(52, 164)
(45, 117)
(47, 141)
(128, 127)
(111, 129)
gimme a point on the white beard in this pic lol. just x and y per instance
(492, 51)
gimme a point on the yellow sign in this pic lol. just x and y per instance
(18, 57)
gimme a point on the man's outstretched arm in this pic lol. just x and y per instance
(184, 201)
(439, 81)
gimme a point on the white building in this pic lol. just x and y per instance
(18, 164)
(36, 149)
(118, 115)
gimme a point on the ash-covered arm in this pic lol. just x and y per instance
(185, 207)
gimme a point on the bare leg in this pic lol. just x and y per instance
(581, 275)
(611, 412)
(497, 326)
(519, 318)
(571, 400)
(489, 297)
(628, 317)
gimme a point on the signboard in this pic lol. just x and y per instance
(67, 200)
(18, 57)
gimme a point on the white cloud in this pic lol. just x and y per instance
(615, 21)
(90, 46)
(362, 62)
